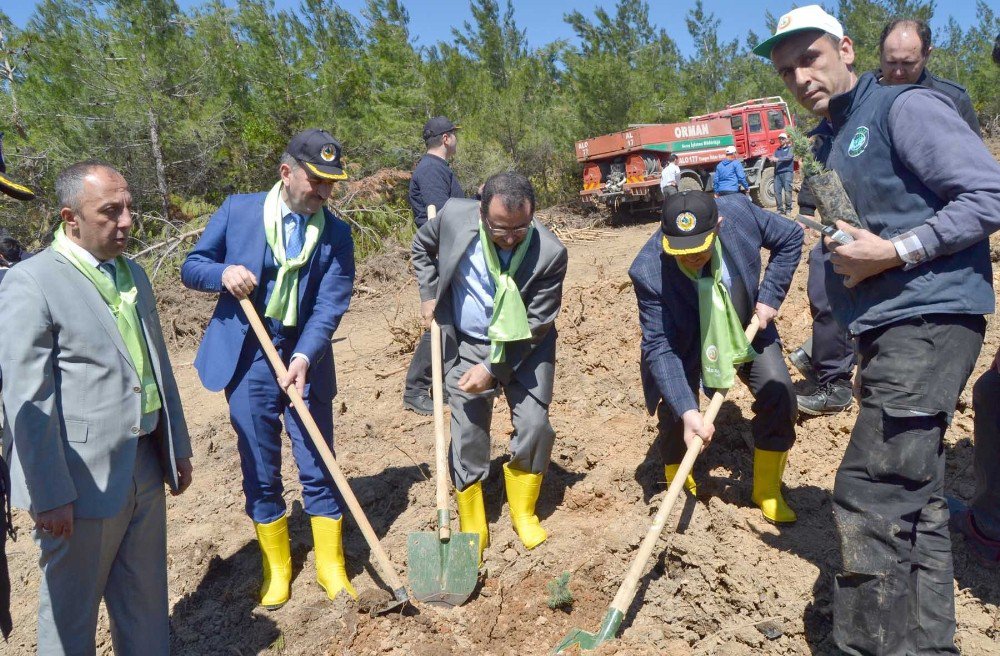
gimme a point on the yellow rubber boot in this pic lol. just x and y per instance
(670, 471)
(522, 494)
(328, 544)
(472, 515)
(276, 553)
(768, 466)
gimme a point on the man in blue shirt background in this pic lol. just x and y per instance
(784, 169)
(730, 178)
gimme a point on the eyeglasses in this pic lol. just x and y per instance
(500, 233)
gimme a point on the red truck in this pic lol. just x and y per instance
(622, 169)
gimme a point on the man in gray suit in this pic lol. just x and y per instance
(492, 276)
(95, 424)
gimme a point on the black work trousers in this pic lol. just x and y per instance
(774, 407)
(986, 459)
(894, 593)
(832, 352)
(418, 376)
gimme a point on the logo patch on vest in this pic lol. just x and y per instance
(712, 353)
(859, 142)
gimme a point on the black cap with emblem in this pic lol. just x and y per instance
(8, 186)
(318, 152)
(688, 222)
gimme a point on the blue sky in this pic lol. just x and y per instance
(431, 21)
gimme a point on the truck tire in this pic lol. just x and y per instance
(689, 183)
(763, 195)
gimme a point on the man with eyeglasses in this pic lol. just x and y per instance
(492, 277)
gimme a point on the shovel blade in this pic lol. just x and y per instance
(443, 573)
(586, 641)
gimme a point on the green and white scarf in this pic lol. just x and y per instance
(284, 302)
(723, 342)
(509, 322)
(120, 297)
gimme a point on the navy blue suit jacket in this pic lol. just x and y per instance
(668, 302)
(235, 235)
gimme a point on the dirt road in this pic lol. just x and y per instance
(723, 576)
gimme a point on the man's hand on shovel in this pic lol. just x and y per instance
(695, 425)
(296, 375)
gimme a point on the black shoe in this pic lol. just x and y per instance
(422, 405)
(801, 360)
(828, 399)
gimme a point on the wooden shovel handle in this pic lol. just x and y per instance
(628, 587)
(324, 451)
(440, 446)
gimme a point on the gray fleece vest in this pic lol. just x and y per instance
(891, 200)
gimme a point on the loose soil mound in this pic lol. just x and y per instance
(724, 582)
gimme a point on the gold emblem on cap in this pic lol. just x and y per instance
(785, 21)
(686, 221)
(328, 153)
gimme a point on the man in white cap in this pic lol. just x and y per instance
(784, 169)
(730, 178)
(912, 287)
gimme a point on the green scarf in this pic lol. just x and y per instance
(284, 302)
(121, 299)
(723, 342)
(509, 322)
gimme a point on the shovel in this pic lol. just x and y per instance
(401, 598)
(444, 566)
(586, 641)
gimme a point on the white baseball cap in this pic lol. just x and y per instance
(810, 17)
(782, 136)
(730, 150)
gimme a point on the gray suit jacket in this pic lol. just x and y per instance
(71, 394)
(437, 248)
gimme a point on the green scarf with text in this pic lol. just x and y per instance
(120, 297)
(509, 322)
(284, 302)
(723, 342)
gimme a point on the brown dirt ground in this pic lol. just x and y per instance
(720, 572)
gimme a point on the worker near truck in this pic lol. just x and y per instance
(730, 178)
(670, 178)
(784, 169)
(432, 183)
(912, 287)
(828, 359)
(696, 283)
(492, 277)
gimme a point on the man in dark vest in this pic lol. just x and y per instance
(433, 183)
(827, 359)
(912, 288)
(18, 192)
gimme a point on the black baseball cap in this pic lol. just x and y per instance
(688, 222)
(437, 126)
(318, 152)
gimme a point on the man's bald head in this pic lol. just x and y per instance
(904, 48)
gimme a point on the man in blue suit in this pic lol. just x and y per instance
(295, 259)
(700, 270)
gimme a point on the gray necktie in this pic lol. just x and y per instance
(108, 269)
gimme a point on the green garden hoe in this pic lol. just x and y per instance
(586, 641)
